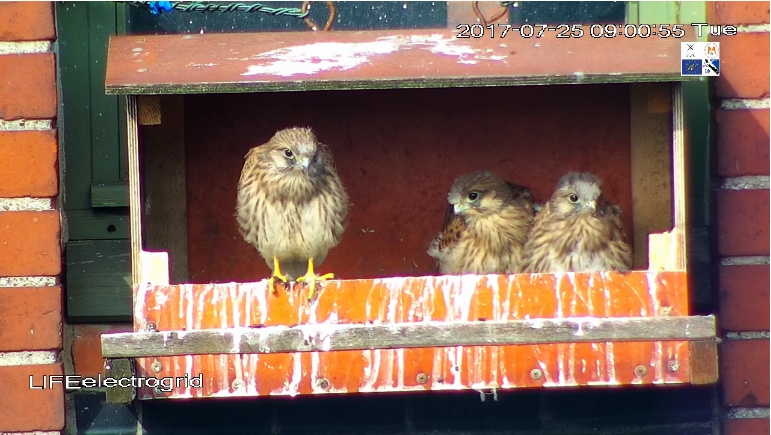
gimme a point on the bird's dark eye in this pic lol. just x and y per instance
(473, 196)
(573, 198)
(288, 154)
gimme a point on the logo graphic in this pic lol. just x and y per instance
(700, 59)
(711, 50)
(689, 53)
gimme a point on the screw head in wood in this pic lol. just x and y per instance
(640, 371)
(673, 365)
(536, 374)
(322, 383)
(237, 384)
(151, 327)
(422, 378)
(156, 366)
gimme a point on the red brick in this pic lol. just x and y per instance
(30, 243)
(742, 222)
(32, 318)
(744, 372)
(27, 21)
(742, 142)
(26, 409)
(27, 86)
(741, 12)
(87, 347)
(746, 426)
(29, 164)
(744, 62)
(744, 300)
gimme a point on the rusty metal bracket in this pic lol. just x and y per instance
(483, 19)
(312, 24)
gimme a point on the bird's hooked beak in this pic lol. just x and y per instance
(306, 163)
(459, 208)
(592, 206)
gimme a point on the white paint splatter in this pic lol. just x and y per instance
(342, 56)
(323, 56)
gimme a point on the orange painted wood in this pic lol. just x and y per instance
(493, 297)
(249, 62)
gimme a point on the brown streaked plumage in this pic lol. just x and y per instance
(485, 227)
(578, 230)
(291, 204)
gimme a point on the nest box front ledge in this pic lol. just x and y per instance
(416, 333)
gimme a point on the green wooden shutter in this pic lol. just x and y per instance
(92, 130)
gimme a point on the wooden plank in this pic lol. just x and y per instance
(103, 263)
(662, 250)
(105, 149)
(101, 224)
(74, 66)
(135, 199)
(98, 280)
(165, 193)
(155, 267)
(446, 299)
(337, 337)
(252, 62)
(680, 168)
(149, 110)
(703, 362)
(109, 194)
(119, 369)
(650, 124)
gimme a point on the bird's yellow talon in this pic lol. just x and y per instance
(276, 275)
(311, 279)
(272, 285)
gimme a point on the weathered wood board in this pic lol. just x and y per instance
(252, 62)
(327, 337)
(420, 299)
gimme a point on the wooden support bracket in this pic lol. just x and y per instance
(119, 369)
(704, 366)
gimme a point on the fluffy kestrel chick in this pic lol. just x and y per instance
(485, 227)
(577, 231)
(292, 205)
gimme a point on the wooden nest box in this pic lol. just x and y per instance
(403, 123)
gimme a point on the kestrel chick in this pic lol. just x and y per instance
(291, 205)
(577, 231)
(485, 227)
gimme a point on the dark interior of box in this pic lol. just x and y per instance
(397, 152)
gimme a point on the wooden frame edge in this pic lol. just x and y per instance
(680, 169)
(135, 199)
(651, 172)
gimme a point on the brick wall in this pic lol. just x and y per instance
(742, 135)
(30, 228)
